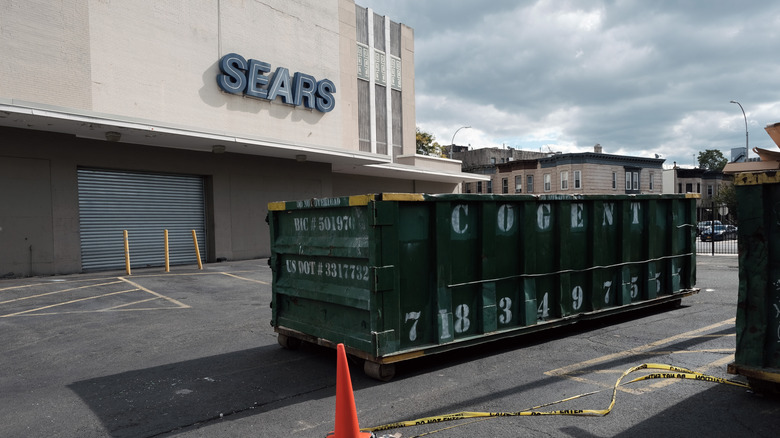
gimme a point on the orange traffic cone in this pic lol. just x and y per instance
(346, 414)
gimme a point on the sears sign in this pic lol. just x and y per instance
(239, 76)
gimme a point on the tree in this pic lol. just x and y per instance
(712, 159)
(727, 195)
(426, 144)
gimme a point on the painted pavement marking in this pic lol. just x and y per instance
(574, 371)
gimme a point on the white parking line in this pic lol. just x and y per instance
(37, 311)
(66, 303)
(178, 303)
(56, 292)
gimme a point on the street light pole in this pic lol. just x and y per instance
(452, 142)
(747, 149)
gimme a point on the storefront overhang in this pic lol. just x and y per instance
(25, 115)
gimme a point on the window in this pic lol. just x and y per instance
(710, 190)
(577, 179)
(688, 188)
(679, 188)
(395, 72)
(479, 186)
(632, 180)
(504, 185)
(565, 180)
(380, 68)
(530, 184)
(466, 187)
(698, 187)
(519, 184)
(493, 160)
(547, 182)
(652, 183)
(490, 186)
(362, 62)
(614, 180)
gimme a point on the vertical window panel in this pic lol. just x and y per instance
(380, 68)
(363, 63)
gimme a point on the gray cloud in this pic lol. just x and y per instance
(638, 77)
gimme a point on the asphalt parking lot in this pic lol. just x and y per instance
(191, 353)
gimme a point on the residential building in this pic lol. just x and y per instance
(485, 161)
(475, 160)
(706, 183)
(576, 173)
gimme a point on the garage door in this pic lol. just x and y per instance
(143, 204)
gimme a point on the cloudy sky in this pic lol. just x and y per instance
(638, 77)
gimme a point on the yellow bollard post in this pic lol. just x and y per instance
(127, 254)
(167, 254)
(197, 250)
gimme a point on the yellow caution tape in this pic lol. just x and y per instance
(676, 373)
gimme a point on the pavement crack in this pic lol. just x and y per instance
(238, 413)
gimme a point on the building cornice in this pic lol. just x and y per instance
(597, 158)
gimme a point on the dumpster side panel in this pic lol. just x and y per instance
(394, 276)
(459, 260)
(758, 308)
(684, 242)
(635, 218)
(606, 252)
(503, 260)
(656, 248)
(529, 303)
(324, 271)
(544, 259)
(772, 344)
(415, 260)
(575, 242)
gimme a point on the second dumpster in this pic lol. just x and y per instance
(757, 354)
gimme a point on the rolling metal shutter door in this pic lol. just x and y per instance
(144, 205)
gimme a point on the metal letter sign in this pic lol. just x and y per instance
(237, 76)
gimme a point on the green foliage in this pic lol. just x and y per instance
(426, 144)
(712, 159)
(727, 195)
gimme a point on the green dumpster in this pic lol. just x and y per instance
(397, 276)
(757, 353)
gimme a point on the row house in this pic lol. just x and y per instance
(706, 183)
(575, 173)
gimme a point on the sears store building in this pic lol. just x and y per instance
(193, 115)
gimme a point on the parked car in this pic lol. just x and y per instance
(706, 225)
(718, 232)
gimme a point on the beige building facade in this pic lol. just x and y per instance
(575, 173)
(220, 107)
(705, 183)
